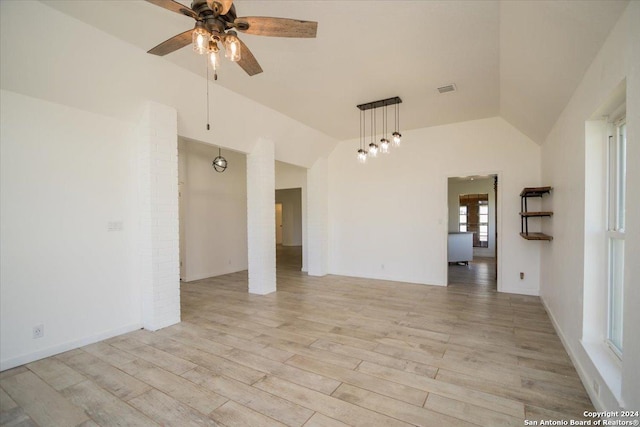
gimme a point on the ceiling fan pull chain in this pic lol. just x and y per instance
(208, 115)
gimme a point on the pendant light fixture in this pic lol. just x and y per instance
(396, 136)
(373, 147)
(384, 142)
(384, 146)
(219, 163)
(362, 153)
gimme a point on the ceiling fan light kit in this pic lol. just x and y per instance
(216, 22)
(385, 144)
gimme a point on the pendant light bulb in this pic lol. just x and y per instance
(373, 149)
(362, 156)
(200, 38)
(384, 146)
(397, 138)
(214, 58)
(232, 50)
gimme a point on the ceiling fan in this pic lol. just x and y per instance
(216, 22)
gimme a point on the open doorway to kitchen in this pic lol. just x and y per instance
(472, 250)
(289, 229)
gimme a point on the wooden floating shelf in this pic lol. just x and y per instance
(525, 214)
(534, 191)
(536, 236)
(530, 214)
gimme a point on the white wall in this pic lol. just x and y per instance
(477, 186)
(71, 145)
(563, 167)
(65, 175)
(388, 217)
(214, 207)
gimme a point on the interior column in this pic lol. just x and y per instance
(318, 218)
(261, 218)
(158, 240)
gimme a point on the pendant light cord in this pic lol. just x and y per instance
(384, 127)
(360, 129)
(375, 124)
(372, 125)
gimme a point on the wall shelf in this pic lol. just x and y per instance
(525, 214)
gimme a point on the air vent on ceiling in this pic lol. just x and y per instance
(447, 88)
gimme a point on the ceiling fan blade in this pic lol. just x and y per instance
(220, 7)
(248, 62)
(173, 44)
(226, 5)
(174, 6)
(276, 27)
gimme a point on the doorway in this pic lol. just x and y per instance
(472, 243)
(278, 223)
(288, 225)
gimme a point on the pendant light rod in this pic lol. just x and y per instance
(380, 103)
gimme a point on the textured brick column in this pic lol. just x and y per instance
(158, 238)
(318, 219)
(261, 218)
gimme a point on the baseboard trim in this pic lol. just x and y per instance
(582, 373)
(61, 348)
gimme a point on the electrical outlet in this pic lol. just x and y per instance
(38, 331)
(521, 275)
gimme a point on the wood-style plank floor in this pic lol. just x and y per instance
(330, 351)
(479, 273)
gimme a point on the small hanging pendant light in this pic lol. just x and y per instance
(362, 153)
(396, 136)
(219, 163)
(384, 142)
(373, 147)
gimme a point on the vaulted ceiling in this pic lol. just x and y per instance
(521, 60)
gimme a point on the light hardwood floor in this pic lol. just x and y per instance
(329, 351)
(479, 273)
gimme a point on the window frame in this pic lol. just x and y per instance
(615, 234)
(472, 202)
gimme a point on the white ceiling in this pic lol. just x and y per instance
(518, 59)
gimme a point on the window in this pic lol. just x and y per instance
(474, 217)
(463, 218)
(616, 233)
(483, 236)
